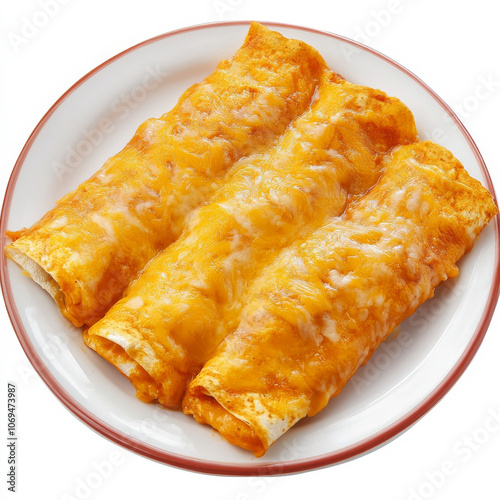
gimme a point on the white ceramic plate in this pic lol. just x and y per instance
(92, 121)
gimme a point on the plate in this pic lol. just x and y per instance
(403, 380)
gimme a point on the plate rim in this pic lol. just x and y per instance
(223, 468)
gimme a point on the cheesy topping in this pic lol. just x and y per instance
(141, 197)
(247, 252)
(347, 285)
(266, 202)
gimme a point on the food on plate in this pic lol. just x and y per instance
(249, 250)
(318, 312)
(87, 249)
(188, 297)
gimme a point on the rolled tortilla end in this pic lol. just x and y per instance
(207, 410)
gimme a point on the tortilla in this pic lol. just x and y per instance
(320, 310)
(188, 298)
(87, 249)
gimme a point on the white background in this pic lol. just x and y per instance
(452, 46)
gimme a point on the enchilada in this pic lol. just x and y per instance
(318, 312)
(188, 298)
(89, 247)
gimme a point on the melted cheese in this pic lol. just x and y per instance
(266, 202)
(283, 222)
(331, 299)
(142, 196)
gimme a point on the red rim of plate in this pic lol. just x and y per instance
(198, 465)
